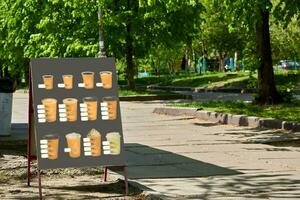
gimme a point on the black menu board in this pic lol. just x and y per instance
(77, 115)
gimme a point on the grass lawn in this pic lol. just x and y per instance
(138, 92)
(193, 80)
(286, 111)
(283, 79)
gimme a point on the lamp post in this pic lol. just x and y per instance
(101, 39)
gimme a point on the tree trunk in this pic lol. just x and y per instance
(158, 68)
(195, 61)
(1, 68)
(186, 64)
(183, 63)
(267, 93)
(5, 72)
(221, 62)
(236, 66)
(129, 53)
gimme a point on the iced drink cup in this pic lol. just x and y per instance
(112, 107)
(92, 107)
(95, 139)
(106, 79)
(68, 81)
(50, 109)
(53, 142)
(88, 79)
(114, 139)
(73, 141)
(71, 108)
(48, 82)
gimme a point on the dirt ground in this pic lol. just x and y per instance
(71, 183)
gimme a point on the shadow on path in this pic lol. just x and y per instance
(148, 162)
(117, 187)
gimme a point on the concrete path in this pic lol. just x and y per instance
(184, 158)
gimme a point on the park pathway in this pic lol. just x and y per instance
(184, 158)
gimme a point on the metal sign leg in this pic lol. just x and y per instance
(105, 174)
(28, 171)
(30, 113)
(126, 180)
(40, 184)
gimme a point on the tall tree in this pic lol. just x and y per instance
(133, 28)
(215, 34)
(63, 28)
(256, 14)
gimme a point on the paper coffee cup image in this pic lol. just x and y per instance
(114, 139)
(111, 106)
(88, 79)
(95, 140)
(50, 105)
(52, 146)
(92, 107)
(68, 81)
(106, 79)
(71, 108)
(74, 143)
(48, 82)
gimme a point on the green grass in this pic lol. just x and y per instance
(286, 111)
(138, 92)
(208, 80)
(287, 79)
(283, 79)
(193, 80)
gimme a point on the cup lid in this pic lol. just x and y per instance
(73, 135)
(49, 100)
(69, 99)
(105, 72)
(90, 99)
(47, 76)
(113, 134)
(109, 98)
(50, 136)
(87, 72)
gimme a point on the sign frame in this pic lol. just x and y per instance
(31, 157)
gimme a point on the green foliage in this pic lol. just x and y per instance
(63, 28)
(215, 29)
(285, 10)
(285, 40)
(162, 31)
(158, 31)
(251, 61)
(284, 27)
(35, 28)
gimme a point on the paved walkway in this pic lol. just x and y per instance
(184, 158)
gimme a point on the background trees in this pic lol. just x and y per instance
(134, 29)
(160, 35)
